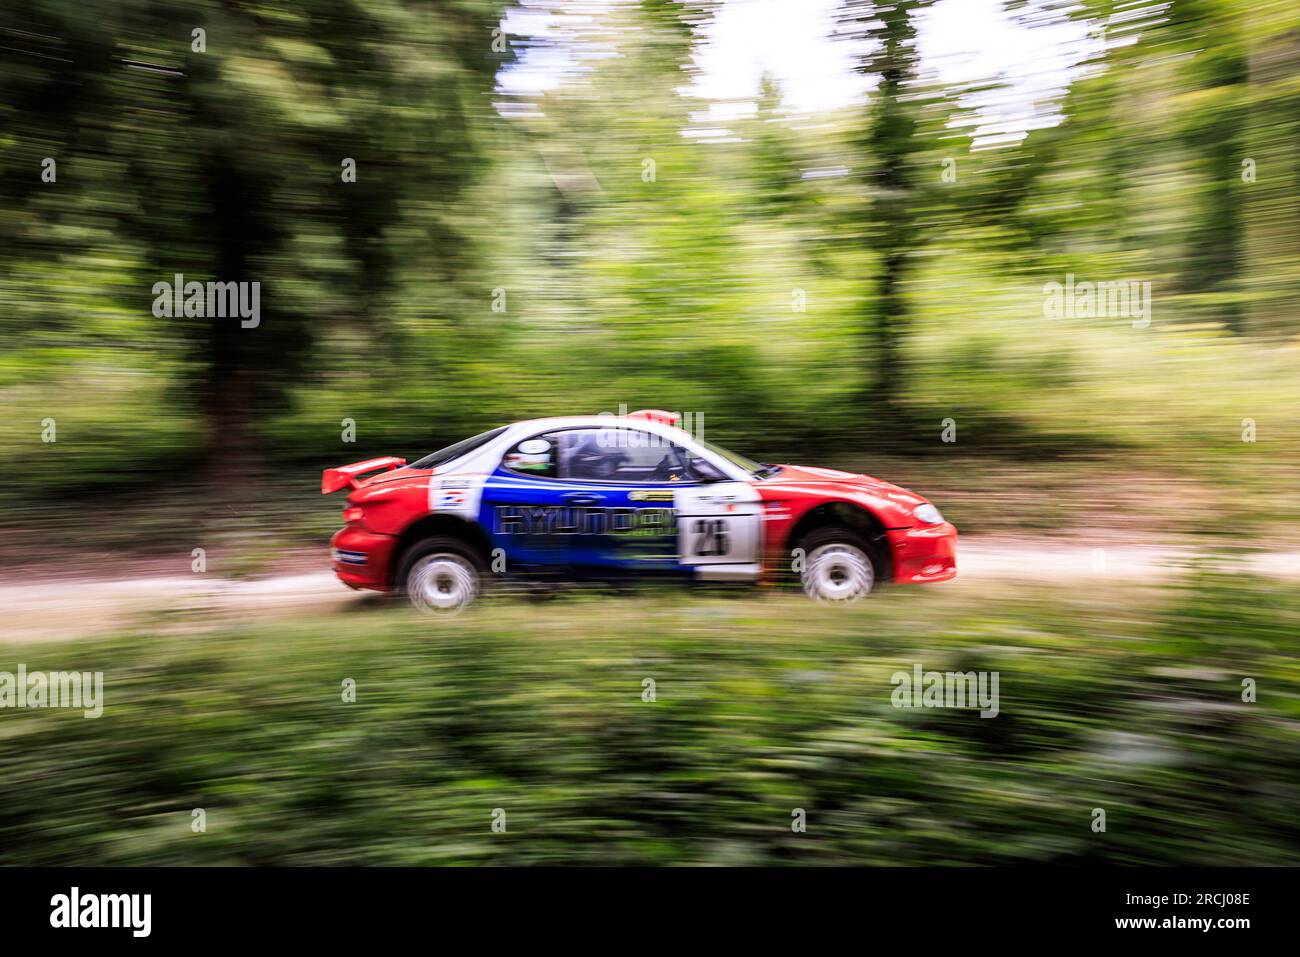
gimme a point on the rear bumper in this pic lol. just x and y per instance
(927, 553)
(361, 559)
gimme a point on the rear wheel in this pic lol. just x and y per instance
(440, 575)
(837, 566)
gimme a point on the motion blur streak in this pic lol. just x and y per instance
(1040, 261)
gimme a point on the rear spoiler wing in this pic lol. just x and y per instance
(345, 476)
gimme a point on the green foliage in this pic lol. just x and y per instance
(762, 706)
(727, 284)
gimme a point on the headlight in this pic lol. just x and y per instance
(928, 514)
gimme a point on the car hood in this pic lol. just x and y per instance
(806, 475)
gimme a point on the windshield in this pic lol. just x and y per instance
(756, 469)
(452, 452)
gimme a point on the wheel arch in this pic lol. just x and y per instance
(452, 526)
(850, 515)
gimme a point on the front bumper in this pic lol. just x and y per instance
(926, 553)
(361, 559)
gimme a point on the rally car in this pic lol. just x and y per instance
(635, 493)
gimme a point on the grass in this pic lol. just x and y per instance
(1130, 702)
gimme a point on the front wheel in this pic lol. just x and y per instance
(440, 575)
(837, 566)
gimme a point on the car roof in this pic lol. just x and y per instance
(604, 422)
(485, 457)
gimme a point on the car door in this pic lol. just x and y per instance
(623, 498)
(587, 497)
(520, 504)
(627, 478)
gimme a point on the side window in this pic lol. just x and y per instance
(535, 457)
(620, 455)
(701, 470)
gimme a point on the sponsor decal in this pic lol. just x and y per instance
(650, 495)
(453, 495)
(573, 520)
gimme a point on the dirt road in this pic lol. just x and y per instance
(75, 607)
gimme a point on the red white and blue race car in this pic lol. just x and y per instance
(599, 494)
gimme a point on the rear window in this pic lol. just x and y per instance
(453, 452)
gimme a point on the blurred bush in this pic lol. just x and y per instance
(762, 706)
